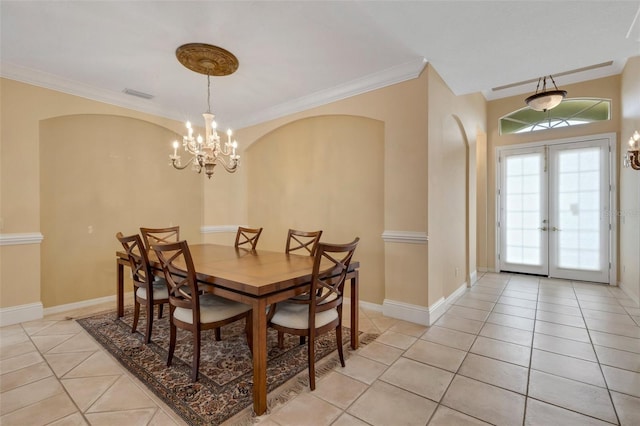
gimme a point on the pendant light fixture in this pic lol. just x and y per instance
(546, 99)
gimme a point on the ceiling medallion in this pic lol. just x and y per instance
(207, 59)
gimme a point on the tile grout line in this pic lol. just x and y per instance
(613, 405)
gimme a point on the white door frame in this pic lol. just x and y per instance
(613, 205)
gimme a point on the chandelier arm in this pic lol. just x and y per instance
(230, 168)
(174, 163)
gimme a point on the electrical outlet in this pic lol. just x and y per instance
(457, 271)
(90, 229)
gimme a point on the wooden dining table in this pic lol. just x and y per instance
(257, 278)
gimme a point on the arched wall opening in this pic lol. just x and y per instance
(322, 172)
(101, 174)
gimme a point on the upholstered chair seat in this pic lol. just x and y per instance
(291, 315)
(212, 309)
(159, 290)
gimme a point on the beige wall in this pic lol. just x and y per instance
(99, 175)
(608, 87)
(629, 204)
(455, 123)
(23, 108)
(401, 108)
(322, 173)
(423, 133)
(375, 146)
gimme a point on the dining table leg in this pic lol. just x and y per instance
(354, 309)
(260, 356)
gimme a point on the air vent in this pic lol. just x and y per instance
(589, 68)
(138, 94)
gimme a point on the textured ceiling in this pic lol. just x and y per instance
(298, 54)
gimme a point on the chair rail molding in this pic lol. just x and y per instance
(17, 239)
(218, 229)
(409, 237)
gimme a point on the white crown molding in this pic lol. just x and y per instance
(17, 239)
(384, 78)
(409, 237)
(75, 88)
(387, 77)
(217, 229)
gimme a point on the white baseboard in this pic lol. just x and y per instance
(367, 305)
(218, 229)
(84, 304)
(420, 314)
(405, 311)
(473, 278)
(21, 313)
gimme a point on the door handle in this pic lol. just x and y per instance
(555, 229)
(544, 228)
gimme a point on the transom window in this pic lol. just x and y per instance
(570, 112)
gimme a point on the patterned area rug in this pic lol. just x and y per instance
(224, 386)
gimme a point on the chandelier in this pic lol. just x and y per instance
(546, 99)
(207, 152)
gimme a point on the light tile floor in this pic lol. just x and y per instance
(511, 350)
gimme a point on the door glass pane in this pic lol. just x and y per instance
(578, 202)
(522, 215)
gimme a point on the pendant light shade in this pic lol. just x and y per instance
(546, 99)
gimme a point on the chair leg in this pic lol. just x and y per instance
(172, 342)
(136, 315)
(280, 339)
(149, 308)
(312, 361)
(303, 340)
(196, 354)
(218, 334)
(160, 306)
(339, 343)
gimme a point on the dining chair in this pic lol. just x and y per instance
(149, 290)
(190, 309)
(160, 235)
(320, 310)
(305, 241)
(248, 237)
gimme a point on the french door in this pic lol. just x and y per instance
(553, 216)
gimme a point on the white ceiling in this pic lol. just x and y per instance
(298, 54)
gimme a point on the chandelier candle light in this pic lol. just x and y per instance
(207, 152)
